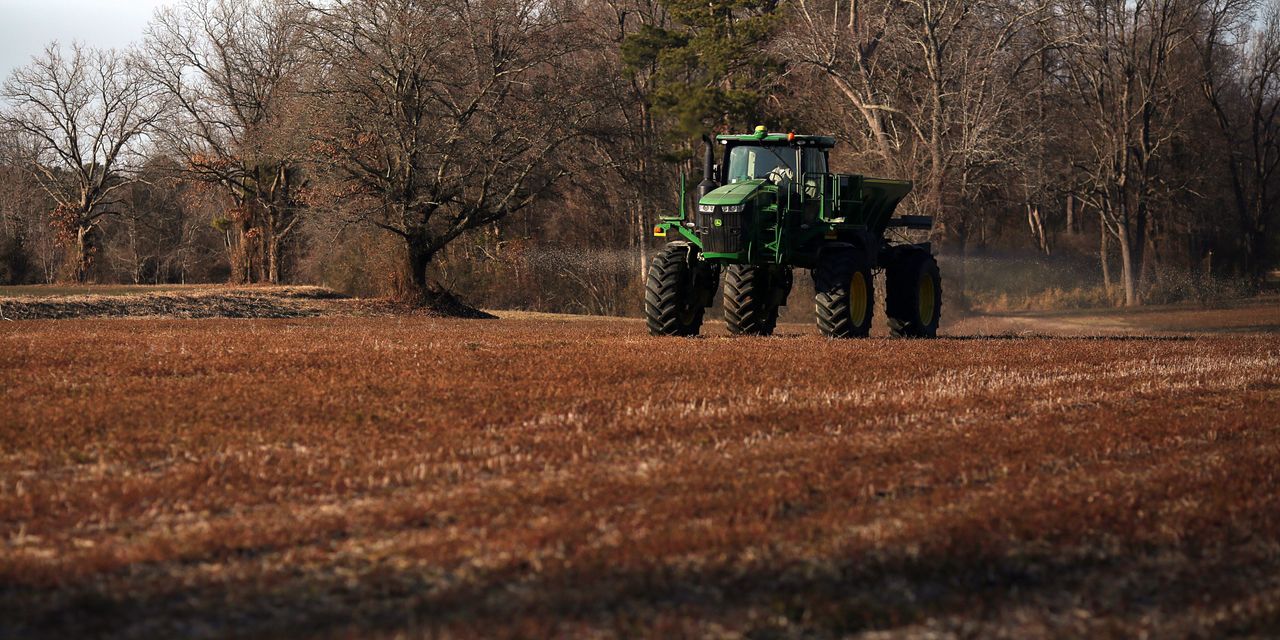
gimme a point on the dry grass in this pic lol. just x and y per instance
(379, 477)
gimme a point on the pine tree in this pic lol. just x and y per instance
(710, 66)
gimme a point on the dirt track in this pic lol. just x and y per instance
(372, 476)
(1260, 315)
(199, 301)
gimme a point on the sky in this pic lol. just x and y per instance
(26, 26)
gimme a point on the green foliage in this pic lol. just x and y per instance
(710, 68)
(221, 223)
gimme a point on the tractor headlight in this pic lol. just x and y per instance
(706, 208)
(737, 208)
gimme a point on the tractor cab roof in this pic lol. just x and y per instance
(762, 136)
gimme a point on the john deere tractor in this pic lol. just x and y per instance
(769, 206)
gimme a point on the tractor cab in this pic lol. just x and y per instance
(786, 160)
(760, 162)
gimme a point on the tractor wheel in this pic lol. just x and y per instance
(749, 308)
(671, 304)
(913, 300)
(845, 299)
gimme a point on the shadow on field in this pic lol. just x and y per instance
(1240, 329)
(1062, 338)
(1182, 591)
(978, 337)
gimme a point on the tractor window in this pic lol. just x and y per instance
(815, 160)
(749, 162)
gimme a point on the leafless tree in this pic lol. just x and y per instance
(435, 118)
(1240, 67)
(845, 41)
(628, 144)
(936, 84)
(1121, 72)
(86, 112)
(232, 69)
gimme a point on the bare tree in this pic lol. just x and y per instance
(160, 235)
(935, 82)
(86, 111)
(232, 69)
(845, 42)
(1241, 81)
(1121, 72)
(629, 143)
(435, 118)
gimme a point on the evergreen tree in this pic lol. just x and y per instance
(710, 65)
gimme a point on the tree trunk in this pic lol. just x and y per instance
(418, 254)
(1140, 256)
(959, 281)
(642, 238)
(1258, 252)
(241, 254)
(81, 258)
(416, 288)
(1071, 214)
(259, 261)
(273, 258)
(1036, 222)
(1103, 253)
(1128, 270)
(273, 240)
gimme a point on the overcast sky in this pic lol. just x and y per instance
(26, 26)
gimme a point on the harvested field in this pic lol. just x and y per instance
(407, 476)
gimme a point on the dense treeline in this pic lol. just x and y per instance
(1120, 151)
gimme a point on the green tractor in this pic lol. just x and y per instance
(771, 206)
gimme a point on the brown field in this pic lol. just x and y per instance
(532, 476)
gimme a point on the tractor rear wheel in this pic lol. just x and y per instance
(913, 300)
(845, 299)
(672, 306)
(749, 305)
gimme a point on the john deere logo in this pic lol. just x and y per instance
(719, 222)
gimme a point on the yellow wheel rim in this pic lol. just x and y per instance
(858, 298)
(926, 299)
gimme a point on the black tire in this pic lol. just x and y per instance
(749, 307)
(845, 300)
(671, 304)
(913, 300)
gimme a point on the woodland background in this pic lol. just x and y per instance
(516, 152)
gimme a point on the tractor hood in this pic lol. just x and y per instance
(732, 194)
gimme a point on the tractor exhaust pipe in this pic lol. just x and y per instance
(708, 183)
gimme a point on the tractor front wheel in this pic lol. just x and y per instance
(672, 306)
(749, 305)
(845, 299)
